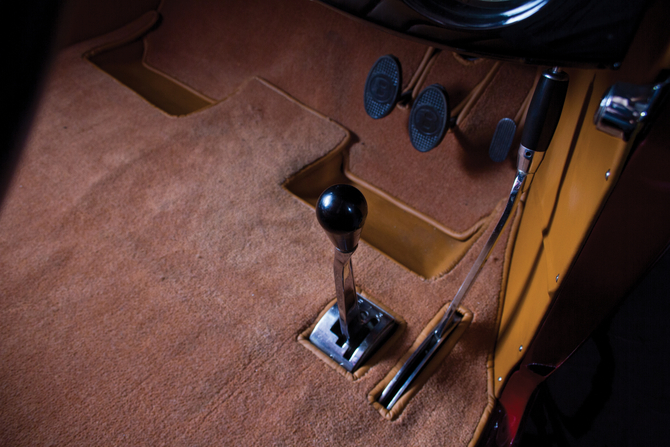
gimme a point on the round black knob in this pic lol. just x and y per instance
(341, 210)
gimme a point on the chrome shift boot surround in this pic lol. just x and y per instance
(368, 329)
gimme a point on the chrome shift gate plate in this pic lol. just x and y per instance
(368, 332)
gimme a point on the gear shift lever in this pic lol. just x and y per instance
(354, 327)
(341, 211)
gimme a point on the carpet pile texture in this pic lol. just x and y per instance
(156, 275)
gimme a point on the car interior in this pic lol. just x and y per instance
(485, 181)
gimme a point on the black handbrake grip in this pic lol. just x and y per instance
(545, 110)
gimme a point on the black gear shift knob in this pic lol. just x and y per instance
(341, 210)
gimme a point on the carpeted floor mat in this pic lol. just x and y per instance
(155, 276)
(322, 58)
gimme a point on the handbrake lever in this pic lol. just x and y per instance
(542, 118)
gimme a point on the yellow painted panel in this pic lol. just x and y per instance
(527, 295)
(583, 192)
(565, 197)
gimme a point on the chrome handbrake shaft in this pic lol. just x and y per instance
(542, 118)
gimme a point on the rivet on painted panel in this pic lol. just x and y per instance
(520, 348)
(557, 277)
(607, 175)
(499, 379)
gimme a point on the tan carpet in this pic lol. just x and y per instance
(155, 276)
(322, 58)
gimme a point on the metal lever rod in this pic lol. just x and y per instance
(345, 290)
(406, 375)
(483, 255)
(543, 115)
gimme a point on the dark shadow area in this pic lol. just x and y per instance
(612, 391)
(29, 38)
